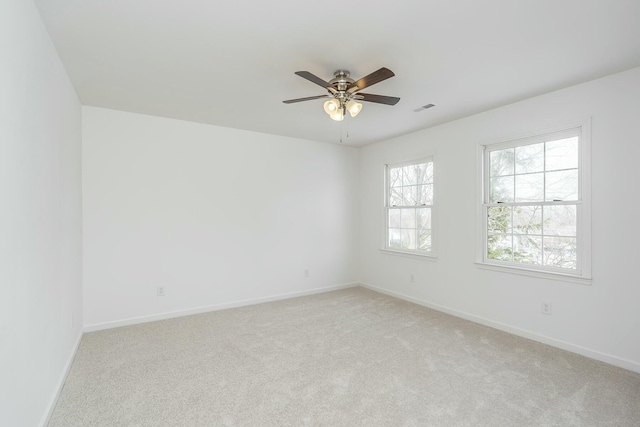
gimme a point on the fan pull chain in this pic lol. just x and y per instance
(342, 129)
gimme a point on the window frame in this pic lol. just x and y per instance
(582, 273)
(412, 253)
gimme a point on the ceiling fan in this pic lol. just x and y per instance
(345, 92)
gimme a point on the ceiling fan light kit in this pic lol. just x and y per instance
(345, 92)
(354, 107)
(331, 106)
(336, 110)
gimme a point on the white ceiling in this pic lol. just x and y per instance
(231, 63)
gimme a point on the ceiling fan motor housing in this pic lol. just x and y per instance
(341, 82)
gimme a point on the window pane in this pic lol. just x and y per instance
(424, 218)
(560, 252)
(530, 187)
(395, 196)
(410, 195)
(561, 154)
(425, 194)
(395, 177)
(527, 249)
(530, 158)
(501, 189)
(408, 239)
(395, 238)
(410, 175)
(408, 218)
(562, 185)
(409, 208)
(425, 173)
(534, 192)
(394, 218)
(560, 220)
(501, 162)
(424, 240)
(499, 247)
(527, 220)
(499, 219)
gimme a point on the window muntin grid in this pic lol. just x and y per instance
(409, 207)
(533, 202)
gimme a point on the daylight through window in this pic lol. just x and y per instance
(533, 203)
(409, 207)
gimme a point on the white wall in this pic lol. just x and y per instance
(601, 320)
(40, 218)
(215, 215)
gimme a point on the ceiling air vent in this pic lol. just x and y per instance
(424, 107)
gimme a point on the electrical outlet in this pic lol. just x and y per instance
(160, 291)
(411, 278)
(545, 308)
(306, 273)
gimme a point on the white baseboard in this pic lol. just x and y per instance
(214, 307)
(593, 354)
(63, 377)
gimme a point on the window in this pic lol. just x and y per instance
(534, 211)
(409, 207)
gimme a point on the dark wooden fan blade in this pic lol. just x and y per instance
(313, 78)
(309, 98)
(380, 99)
(373, 78)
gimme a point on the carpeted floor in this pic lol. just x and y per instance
(346, 358)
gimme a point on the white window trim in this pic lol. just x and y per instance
(408, 254)
(584, 224)
(432, 255)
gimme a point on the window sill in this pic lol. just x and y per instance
(430, 257)
(535, 273)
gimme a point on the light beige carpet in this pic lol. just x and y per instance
(344, 358)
